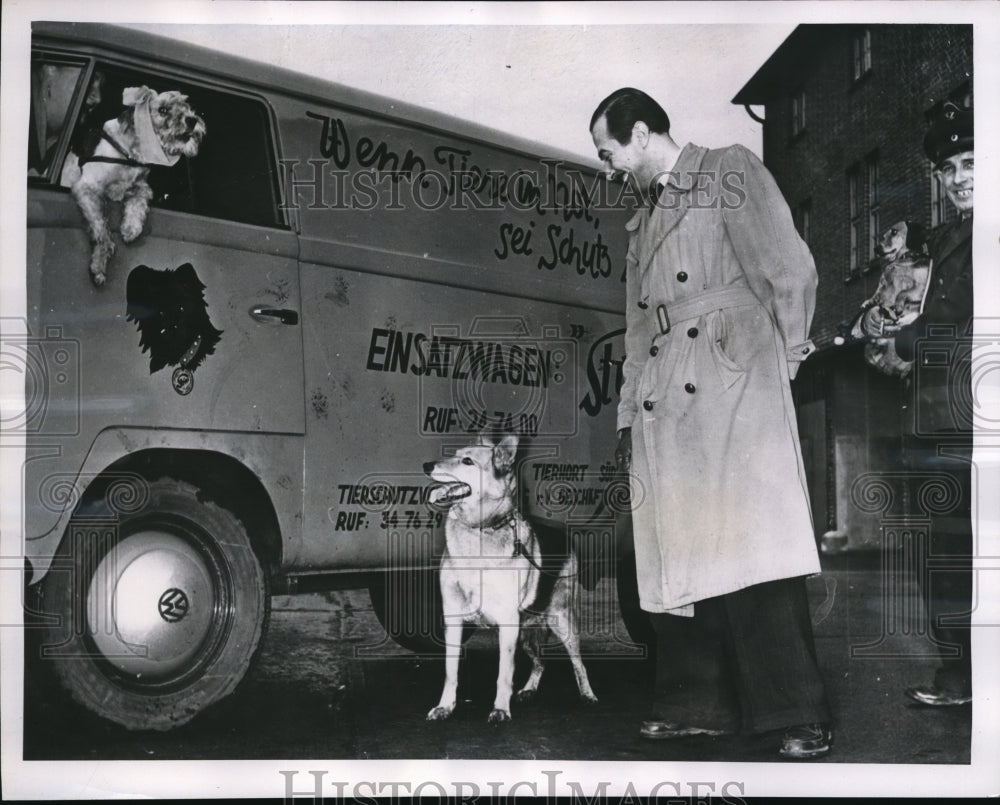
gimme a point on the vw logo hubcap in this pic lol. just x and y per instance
(173, 605)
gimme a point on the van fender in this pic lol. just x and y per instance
(120, 455)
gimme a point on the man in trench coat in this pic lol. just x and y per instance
(720, 296)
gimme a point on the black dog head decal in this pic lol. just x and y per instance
(170, 311)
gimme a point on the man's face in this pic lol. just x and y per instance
(93, 94)
(618, 158)
(956, 175)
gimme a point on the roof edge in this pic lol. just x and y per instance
(263, 76)
(772, 76)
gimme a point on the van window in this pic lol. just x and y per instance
(234, 176)
(53, 86)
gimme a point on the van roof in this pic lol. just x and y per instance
(264, 77)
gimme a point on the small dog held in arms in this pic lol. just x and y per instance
(902, 256)
(495, 573)
(154, 129)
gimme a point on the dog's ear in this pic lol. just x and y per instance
(503, 454)
(916, 237)
(133, 96)
(188, 280)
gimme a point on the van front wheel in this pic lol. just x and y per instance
(160, 606)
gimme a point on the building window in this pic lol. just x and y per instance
(871, 164)
(854, 210)
(862, 53)
(803, 215)
(798, 112)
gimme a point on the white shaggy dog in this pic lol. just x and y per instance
(494, 573)
(154, 129)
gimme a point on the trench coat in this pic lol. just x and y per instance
(719, 497)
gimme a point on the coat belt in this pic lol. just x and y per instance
(699, 304)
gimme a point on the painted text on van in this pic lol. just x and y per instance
(516, 364)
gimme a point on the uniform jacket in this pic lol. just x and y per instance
(943, 402)
(718, 488)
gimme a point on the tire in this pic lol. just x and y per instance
(163, 609)
(636, 620)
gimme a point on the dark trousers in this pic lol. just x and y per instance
(943, 572)
(746, 659)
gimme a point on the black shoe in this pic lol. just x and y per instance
(806, 741)
(660, 730)
(935, 697)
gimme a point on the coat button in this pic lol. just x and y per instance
(689, 388)
(653, 350)
(648, 405)
(682, 276)
(643, 306)
(693, 332)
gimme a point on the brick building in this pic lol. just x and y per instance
(846, 107)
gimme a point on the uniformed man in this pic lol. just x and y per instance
(940, 434)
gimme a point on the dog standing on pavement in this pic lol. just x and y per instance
(493, 573)
(154, 129)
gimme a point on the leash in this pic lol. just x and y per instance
(125, 159)
(512, 521)
(520, 549)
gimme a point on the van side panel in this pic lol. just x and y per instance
(475, 289)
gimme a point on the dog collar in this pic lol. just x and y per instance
(513, 521)
(183, 377)
(501, 521)
(192, 350)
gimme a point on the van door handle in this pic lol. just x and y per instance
(270, 315)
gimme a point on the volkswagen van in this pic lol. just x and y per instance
(336, 289)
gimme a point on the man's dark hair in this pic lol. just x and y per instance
(624, 107)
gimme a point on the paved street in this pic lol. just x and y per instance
(327, 686)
